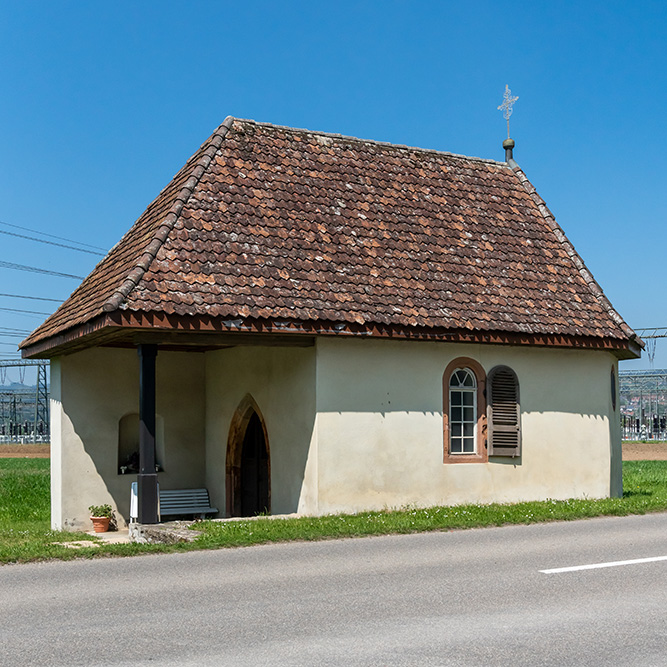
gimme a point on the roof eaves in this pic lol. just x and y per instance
(146, 259)
(593, 285)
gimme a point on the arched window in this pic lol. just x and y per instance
(464, 412)
(504, 416)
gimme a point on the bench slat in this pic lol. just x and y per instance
(188, 510)
(181, 503)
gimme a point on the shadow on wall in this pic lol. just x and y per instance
(415, 391)
(101, 388)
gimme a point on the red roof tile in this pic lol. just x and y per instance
(272, 222)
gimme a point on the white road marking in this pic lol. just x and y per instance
(596, 566)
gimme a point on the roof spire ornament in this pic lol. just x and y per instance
(506, 106)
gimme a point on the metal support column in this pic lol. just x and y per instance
(147, 488)
(34, 424)
(43, 399)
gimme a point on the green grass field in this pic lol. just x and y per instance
(25, 534)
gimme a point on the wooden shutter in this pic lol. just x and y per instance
(504, 415)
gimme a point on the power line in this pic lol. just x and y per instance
(26, 312)
(61, 245)
(14, 334)
(37, 298)
(13, 330)
(34, 269)
(652, 332)
(53, 236)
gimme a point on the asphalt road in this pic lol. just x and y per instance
(460, 598)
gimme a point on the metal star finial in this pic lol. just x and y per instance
(506, 106)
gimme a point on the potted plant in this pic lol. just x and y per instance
(101, 515)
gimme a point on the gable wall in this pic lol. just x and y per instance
(380, 426)
(90, 392)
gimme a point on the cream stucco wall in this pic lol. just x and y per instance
(282, 383)
(380, 426)
(90, 392)
(352, 424)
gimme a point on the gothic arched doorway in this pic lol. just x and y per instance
(248, 469)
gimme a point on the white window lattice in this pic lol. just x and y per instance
(462, 412)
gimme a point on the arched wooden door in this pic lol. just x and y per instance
(248, 473)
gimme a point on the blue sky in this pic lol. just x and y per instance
(102, 104)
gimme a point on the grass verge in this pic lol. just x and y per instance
(645, 442)
(25, 533)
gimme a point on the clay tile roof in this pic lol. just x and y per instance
(274, 222)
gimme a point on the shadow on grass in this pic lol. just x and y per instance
(634, 494)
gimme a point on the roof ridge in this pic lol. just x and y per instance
(387, 144)
(162, 233)
(550, 219)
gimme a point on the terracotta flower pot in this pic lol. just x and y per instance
(100, 523)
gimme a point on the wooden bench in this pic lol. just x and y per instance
(176, 502)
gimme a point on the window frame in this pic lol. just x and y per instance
(481, 453)
(466, 404)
